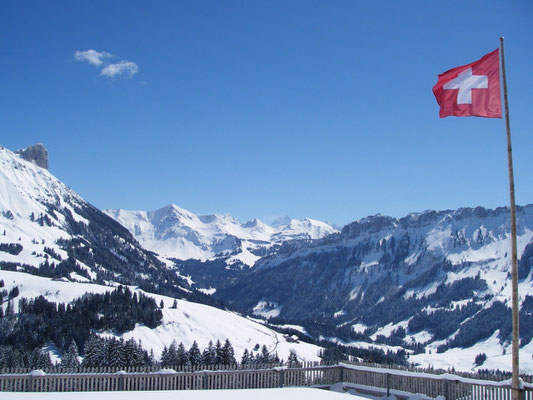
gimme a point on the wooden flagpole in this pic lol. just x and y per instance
(514, 257)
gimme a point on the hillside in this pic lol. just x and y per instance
(435, 283)
(187, 323)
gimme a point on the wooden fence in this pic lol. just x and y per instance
(364, 380)
(58, 369)
(404, 383)
(38, 381)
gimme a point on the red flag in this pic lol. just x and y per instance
(472, 90)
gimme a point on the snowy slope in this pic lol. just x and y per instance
(47, 229)
(174, 232)
(26, 190)
(189, 322)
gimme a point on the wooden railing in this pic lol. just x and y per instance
(38, 381)
(364, 380)
(404, 383)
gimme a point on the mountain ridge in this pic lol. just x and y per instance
(435, 283)
(174, 232)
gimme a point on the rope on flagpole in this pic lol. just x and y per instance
(514, 257)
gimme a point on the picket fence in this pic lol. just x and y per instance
(364, 380)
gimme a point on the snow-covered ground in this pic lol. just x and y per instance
(238, 394)
(187, 323)
(498, 357)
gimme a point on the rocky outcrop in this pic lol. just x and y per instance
(36, 153)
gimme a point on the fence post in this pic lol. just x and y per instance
(388, 384)
(30, 383)
(341, 374)
(204, 380)
(447, 389)
(281, 377)
(121, 380)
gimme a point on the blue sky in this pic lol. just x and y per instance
(306, 108)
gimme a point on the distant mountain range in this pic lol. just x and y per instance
(177, 233)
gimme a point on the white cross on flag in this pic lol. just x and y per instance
(471, 90)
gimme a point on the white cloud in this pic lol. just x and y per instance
(102, 59)
(92, 56)
(122, 68)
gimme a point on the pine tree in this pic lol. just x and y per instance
(150, 360)
(162, 304)
(175, 304)
(15, 359)
(134, 353)
(44, 361)
(115, 356)
(195, 358)
(70, 357)
(94, 352)
(264, 356)
(245, 359)
(165, 360)
(121, 353)
(219, 357)
(293, 361)
(209, 355)
(228, 354)
(183, 358)
(33, 358)
(173, 354)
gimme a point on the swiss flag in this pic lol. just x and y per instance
(472, 90)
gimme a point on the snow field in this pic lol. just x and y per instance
(498, 356)
(232, 394)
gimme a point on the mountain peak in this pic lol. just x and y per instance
(252, 223)
(280, 221)
(173, 209)
(36, 153)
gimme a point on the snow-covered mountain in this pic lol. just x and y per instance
(48, 230)
(435, 283)
(177, 233)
